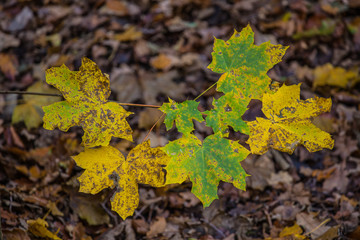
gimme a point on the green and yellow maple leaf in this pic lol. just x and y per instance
(106, 167)
(182, 114)
(227, 111)
(288, 122)
(244, 65)
(30, 112)
(206, 164)
(86, 92)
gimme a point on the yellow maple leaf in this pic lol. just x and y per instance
(30, 111)
(106, 167)
(288, 122)
(335, 76)
(86, 92)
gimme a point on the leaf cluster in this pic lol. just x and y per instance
(243, 67)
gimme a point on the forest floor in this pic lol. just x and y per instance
(299, 196)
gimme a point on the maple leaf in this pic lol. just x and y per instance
(215, 159)
(244, 65)
(30, 112)
(86, 92)
(227, 111)
(106, 167)
(288, 123)
(182, 114)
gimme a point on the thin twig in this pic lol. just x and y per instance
(30, 93)
(164, 113)
(214, 227)
(1, 236)
(59, 95)
(123, 104)
(147, 135)
(268, 218)
(205, 91)
(320, 225)
(139, 105)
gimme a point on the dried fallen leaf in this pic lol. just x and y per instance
(30, 112)
(39, 228)
(8, 65)
(140, 226)
(148, 117)
(54, 209)
(311, 224)
(15, 234)
(335, 76)
(125, 84)
(294, 231)
(161, 83)
(157, 227)
(7, 40)
(89, 209)
(115, 7)
(162, 62)
(130, 34)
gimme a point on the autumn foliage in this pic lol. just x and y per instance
(243, 67)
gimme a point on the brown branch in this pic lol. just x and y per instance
(30, 93)
(147, 135)
(164, 113)
(139, 105)
(59, 95)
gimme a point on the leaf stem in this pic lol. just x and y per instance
(164, 113)
(139, 105)
(147, 135)
(59, 95)
(205, 91)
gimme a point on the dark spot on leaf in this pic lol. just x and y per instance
(228, 108)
